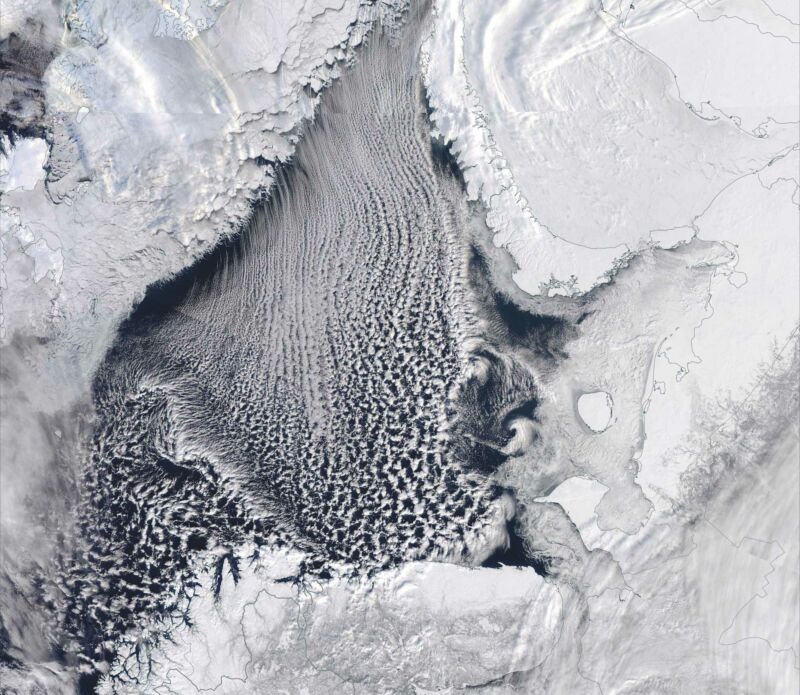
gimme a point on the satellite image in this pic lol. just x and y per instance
(399, 347)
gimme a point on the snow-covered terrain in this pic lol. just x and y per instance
(139, 134)
(164, 122)
(590, 133)
(426, 626)
(627, 320)
(595, 409)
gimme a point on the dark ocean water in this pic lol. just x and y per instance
(307, 382)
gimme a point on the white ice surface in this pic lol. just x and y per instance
(166, 120)
(754, 49)
(579, 497)
(159, 139)
(586, 132)
(159, 142)
(21, 166)
(595, 410)
(582, 143)
(426, 626)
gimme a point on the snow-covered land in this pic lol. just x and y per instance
(638, 169)
(164, 122)
(591, 132)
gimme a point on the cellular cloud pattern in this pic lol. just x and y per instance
(323, 381)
